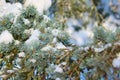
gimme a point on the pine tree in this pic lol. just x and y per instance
(36, 47)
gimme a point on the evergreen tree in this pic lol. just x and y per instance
(36, 47)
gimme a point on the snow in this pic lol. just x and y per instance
(102, 48)
(54, 40)
(35, 33)
(63, 63)
(58, 69)
(16, 69)
(40, 5)
(46, 18)
(3, 76)
(116, 63)
(21, 54)
(110, 23)
(18, 60)
(8, 56)
(26, 21)
(46, 48)
(10, 71)
(60, 46)
(118, 55)
(32, 60)
(6, 37)
(86, 48)
(1, 72)
(29, 31)
(7, 8)
(55, 32)
(98, 49)
(57, 79)
(82, 37)
(47, 4)
(17, 42)
(73, 22)
(2, 2)
(33, 40)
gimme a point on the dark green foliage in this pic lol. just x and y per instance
(99, 35)
(30, 13)
(105, 36)
(6, 22)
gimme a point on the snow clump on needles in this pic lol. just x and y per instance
(40, 5)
